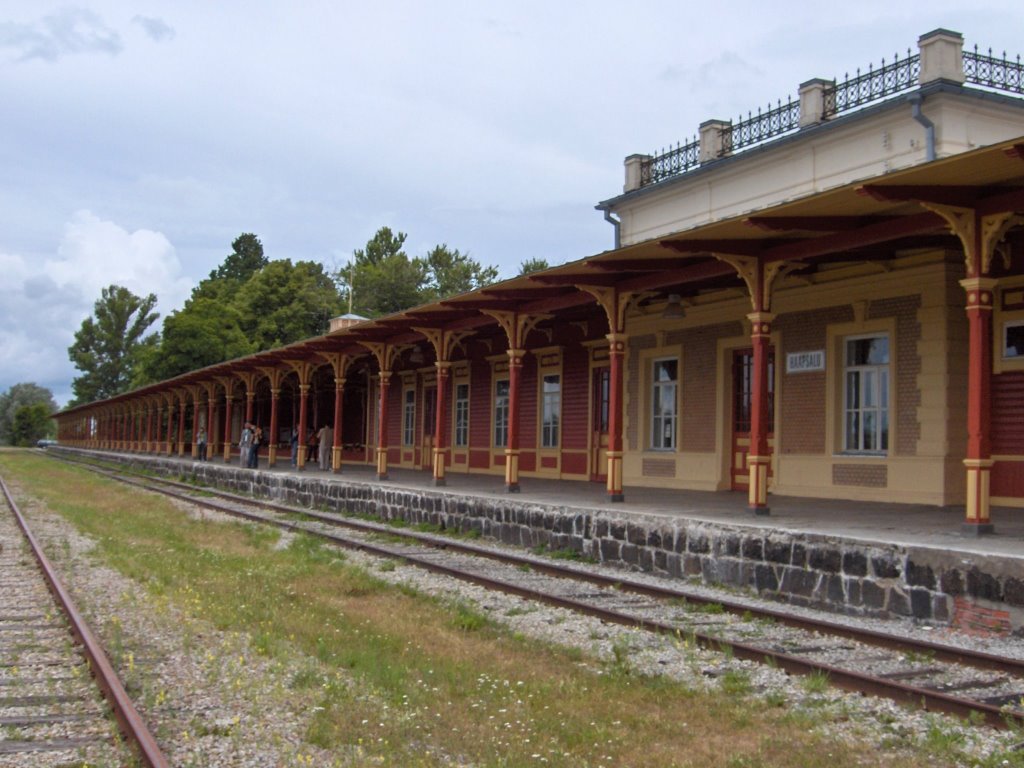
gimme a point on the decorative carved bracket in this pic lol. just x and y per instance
(339, 362)
(304, 369)
(759, 278)
(613, 303)
(443, 341)
(961, 223)
(384, 352)
(993, 233)
(516, 326)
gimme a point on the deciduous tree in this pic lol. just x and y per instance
(108, 345)
(17, 397)
(31, 423)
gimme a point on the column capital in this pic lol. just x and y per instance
(515, 356)
(980, 292)
(304, 389)
(339, 382)
(275, 392)
(443, 365)
(617, 342)
(760, 323)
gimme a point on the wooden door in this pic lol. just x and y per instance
(742, 412)
(600, 390)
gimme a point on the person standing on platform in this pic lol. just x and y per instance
(326, 435)
(201, 444)
(295, 446)
(311, 447)
(254, 451)
(245, 445)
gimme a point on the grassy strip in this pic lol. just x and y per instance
(415, 681)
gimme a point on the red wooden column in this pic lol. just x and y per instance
(250, 396)
(760, 454)
(303, 416)
(384, 386)
(515, 375)
(339, 393)
(517, 327)
(979, 462)
(227, 425)
(339, 364)
(441, 422)
(181, 425)
(616, 353)
(196, 410)
(385, 354)
(159, 427)
(211, 408)
(444, 342)
(275, 398)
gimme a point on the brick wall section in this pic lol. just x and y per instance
(697, 422)
(803, 394)
(871, 476)
(634, 378)
(908, 368)
(847, 576)
(659, 467)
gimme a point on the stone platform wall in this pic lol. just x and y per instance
(980, 593)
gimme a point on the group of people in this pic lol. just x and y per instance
(249, 445)
(318, 446)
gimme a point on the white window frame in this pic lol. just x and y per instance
(875, 380)
(461, 431)
(409, 417)
(551, 410)
(1007, 325)
(501, 413)
(662, 439)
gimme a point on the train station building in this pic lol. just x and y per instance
(822, 300)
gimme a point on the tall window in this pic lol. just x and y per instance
(664, 409)
(867, 394)
(501, 413)
(409, 418)
(461, 415)
(551, 410)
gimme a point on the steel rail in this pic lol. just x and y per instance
(844, 678)
(132, 726)
(938, 651)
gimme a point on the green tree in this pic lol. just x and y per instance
(31, 423)
(286, 302)
(19, 396)
(533, 265)
(109, 344)
(451, 272)
(245, 260)
(202, 333)
(382, 279)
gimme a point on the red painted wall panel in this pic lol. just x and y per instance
(1008, 413)
(1008, 478)
(574, 463)
(575, 398)
(479, 406)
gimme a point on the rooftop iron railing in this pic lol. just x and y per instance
(853, 92)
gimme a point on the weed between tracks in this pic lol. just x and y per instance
(403, 679)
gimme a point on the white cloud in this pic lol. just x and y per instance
(157, 29)
(66, 31)
(95, 253)
(43, 301)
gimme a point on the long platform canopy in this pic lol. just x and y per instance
(870, 220)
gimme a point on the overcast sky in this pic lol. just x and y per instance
(138, 139)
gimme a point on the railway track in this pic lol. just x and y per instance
(58, 690)
(937, 677)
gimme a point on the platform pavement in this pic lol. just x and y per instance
(899, 524)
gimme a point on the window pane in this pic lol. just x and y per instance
(852, 390)
(853, 431)
(1013, 345)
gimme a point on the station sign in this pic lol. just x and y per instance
(804, 362)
